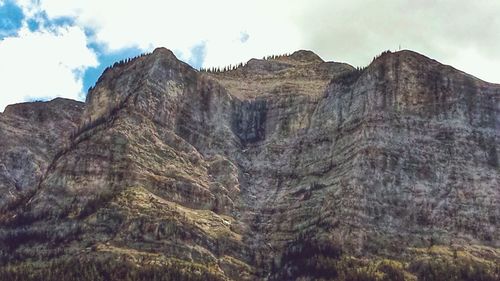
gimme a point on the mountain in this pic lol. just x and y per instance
(286, 168)
(31, 135)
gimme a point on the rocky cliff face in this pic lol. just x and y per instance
(31, 135)
(281, 169)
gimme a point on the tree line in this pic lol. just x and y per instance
(236, 66)
(117, 64)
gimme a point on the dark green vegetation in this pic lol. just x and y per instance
(456, 269)
(97, 270)
(300, 263)
(323, 261)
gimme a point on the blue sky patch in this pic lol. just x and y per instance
(42, 20)
(11, 19)
(198, 54)
(244, 37)
(33, 24)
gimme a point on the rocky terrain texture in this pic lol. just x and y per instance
(289, 168)
(31, 135)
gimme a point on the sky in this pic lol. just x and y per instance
(55, 48)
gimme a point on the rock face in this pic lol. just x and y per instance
(30, 136)
(261, 172)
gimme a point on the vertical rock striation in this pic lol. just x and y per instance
(30, 136)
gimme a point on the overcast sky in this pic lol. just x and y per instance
(58, 48)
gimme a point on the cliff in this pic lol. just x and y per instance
(281, 169)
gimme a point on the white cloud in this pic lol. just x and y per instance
(462, 33)
(43, 65)
(475, 63)
(181, 25)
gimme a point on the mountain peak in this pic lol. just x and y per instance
(405, 54)
(412, 61)
(306, 56)
(162, 51)
(34, 109)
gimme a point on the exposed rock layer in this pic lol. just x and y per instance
(31, 135)
(242, 172)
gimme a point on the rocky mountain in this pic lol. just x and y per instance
(31, 135)
(287, 168)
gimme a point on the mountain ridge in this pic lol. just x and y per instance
(271, 171)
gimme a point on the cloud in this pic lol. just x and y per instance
(183, 25)
(462, 33)
(43, 64)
